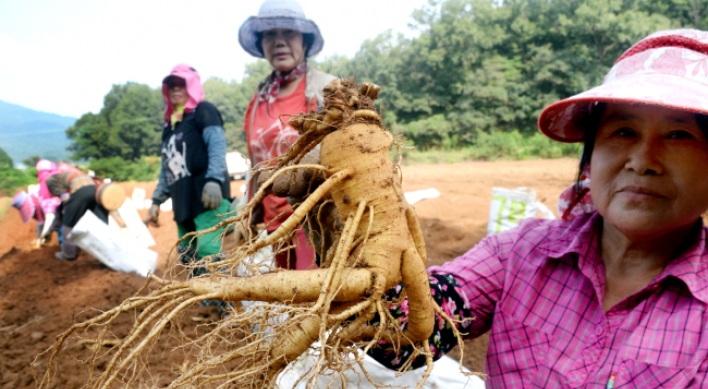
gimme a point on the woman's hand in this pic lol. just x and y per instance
(295, 183)
(323, 222)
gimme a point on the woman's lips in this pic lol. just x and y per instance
(636, 192)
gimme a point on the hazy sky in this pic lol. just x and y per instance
(62, 56)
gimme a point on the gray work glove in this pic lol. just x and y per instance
(211, 195)
(153, 213)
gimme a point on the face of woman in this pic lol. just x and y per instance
(649, 169)
(177, 91)
(283, 48)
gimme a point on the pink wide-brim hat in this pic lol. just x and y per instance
(667, 69)
(24, 204)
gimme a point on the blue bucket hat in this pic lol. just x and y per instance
(286, 14)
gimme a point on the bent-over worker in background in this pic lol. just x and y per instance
(48, 203)
(78, 194)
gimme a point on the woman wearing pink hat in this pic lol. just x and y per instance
(618, 295)
(193, 169)
(285, 38)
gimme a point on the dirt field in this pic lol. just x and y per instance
(40, 296)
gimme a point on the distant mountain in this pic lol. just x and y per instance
(25, 132)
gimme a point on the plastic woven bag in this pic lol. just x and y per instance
(509, 206)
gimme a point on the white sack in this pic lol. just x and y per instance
(264, 258)
(136, 228)
(416, 196)
(446, 374)
(113, 250)
(138, 198)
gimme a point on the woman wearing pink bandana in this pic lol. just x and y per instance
(282, 35)
(193, 152)
(193, 172)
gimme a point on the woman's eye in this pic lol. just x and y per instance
(680, 134)
(624, 132)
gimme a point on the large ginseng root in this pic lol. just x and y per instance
(378, 245)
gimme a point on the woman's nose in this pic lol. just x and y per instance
(280, 40)
(645, 157)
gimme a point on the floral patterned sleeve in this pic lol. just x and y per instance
(447, 294)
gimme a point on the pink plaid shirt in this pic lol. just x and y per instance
(539, 288)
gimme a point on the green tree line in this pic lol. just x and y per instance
(11, 179)
(474, 78)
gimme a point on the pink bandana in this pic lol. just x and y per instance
(195, 90)
(569, 208)
(269, 93)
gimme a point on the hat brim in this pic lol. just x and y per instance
(248, 39)
(563, 121)
(167, 79)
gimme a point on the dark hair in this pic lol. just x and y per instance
(590, 124)
(57, 183)
(307, 41)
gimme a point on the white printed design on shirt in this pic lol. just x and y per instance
(175, 161)
(263, 151)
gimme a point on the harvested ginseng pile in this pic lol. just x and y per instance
(377, 245)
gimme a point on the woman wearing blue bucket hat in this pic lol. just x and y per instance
(282, 35)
